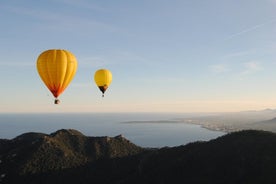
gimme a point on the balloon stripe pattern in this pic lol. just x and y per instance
(56, 68)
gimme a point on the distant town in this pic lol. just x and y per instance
(236, 121)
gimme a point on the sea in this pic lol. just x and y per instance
(154, 130)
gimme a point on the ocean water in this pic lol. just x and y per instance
(143, 129)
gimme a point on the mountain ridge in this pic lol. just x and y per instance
(68, 156)
(40, 153)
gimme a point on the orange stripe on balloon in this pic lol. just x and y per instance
(57, 91)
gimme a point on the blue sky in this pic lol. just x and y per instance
(165, 55)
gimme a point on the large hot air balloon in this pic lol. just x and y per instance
(103, 78)
(56, 68)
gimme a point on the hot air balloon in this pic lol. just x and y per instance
(103, 78)
(56, 68)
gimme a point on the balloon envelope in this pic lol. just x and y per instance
(103, 79)
(56, 68)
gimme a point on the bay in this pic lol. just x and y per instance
(143, 129)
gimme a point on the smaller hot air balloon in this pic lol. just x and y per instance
(103, 78)
(56, 68)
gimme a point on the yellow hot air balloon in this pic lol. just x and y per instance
(103, 78)
(56, 68)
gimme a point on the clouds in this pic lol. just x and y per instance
(16, 64)
(116, 58)
(54, 19)
(249, 29)
(251, 67)
(82, 4)
(219, 68)
(240, 69)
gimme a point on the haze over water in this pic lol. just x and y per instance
(143, 129)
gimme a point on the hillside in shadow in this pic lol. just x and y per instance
(68, 156)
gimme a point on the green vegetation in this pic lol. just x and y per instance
(67, 156)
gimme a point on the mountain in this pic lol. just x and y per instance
(35, 153)
(268, 125)
(68, 156)
(267, 122)
(235, 121)
(240, 157)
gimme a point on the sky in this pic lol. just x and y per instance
(165, 55)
